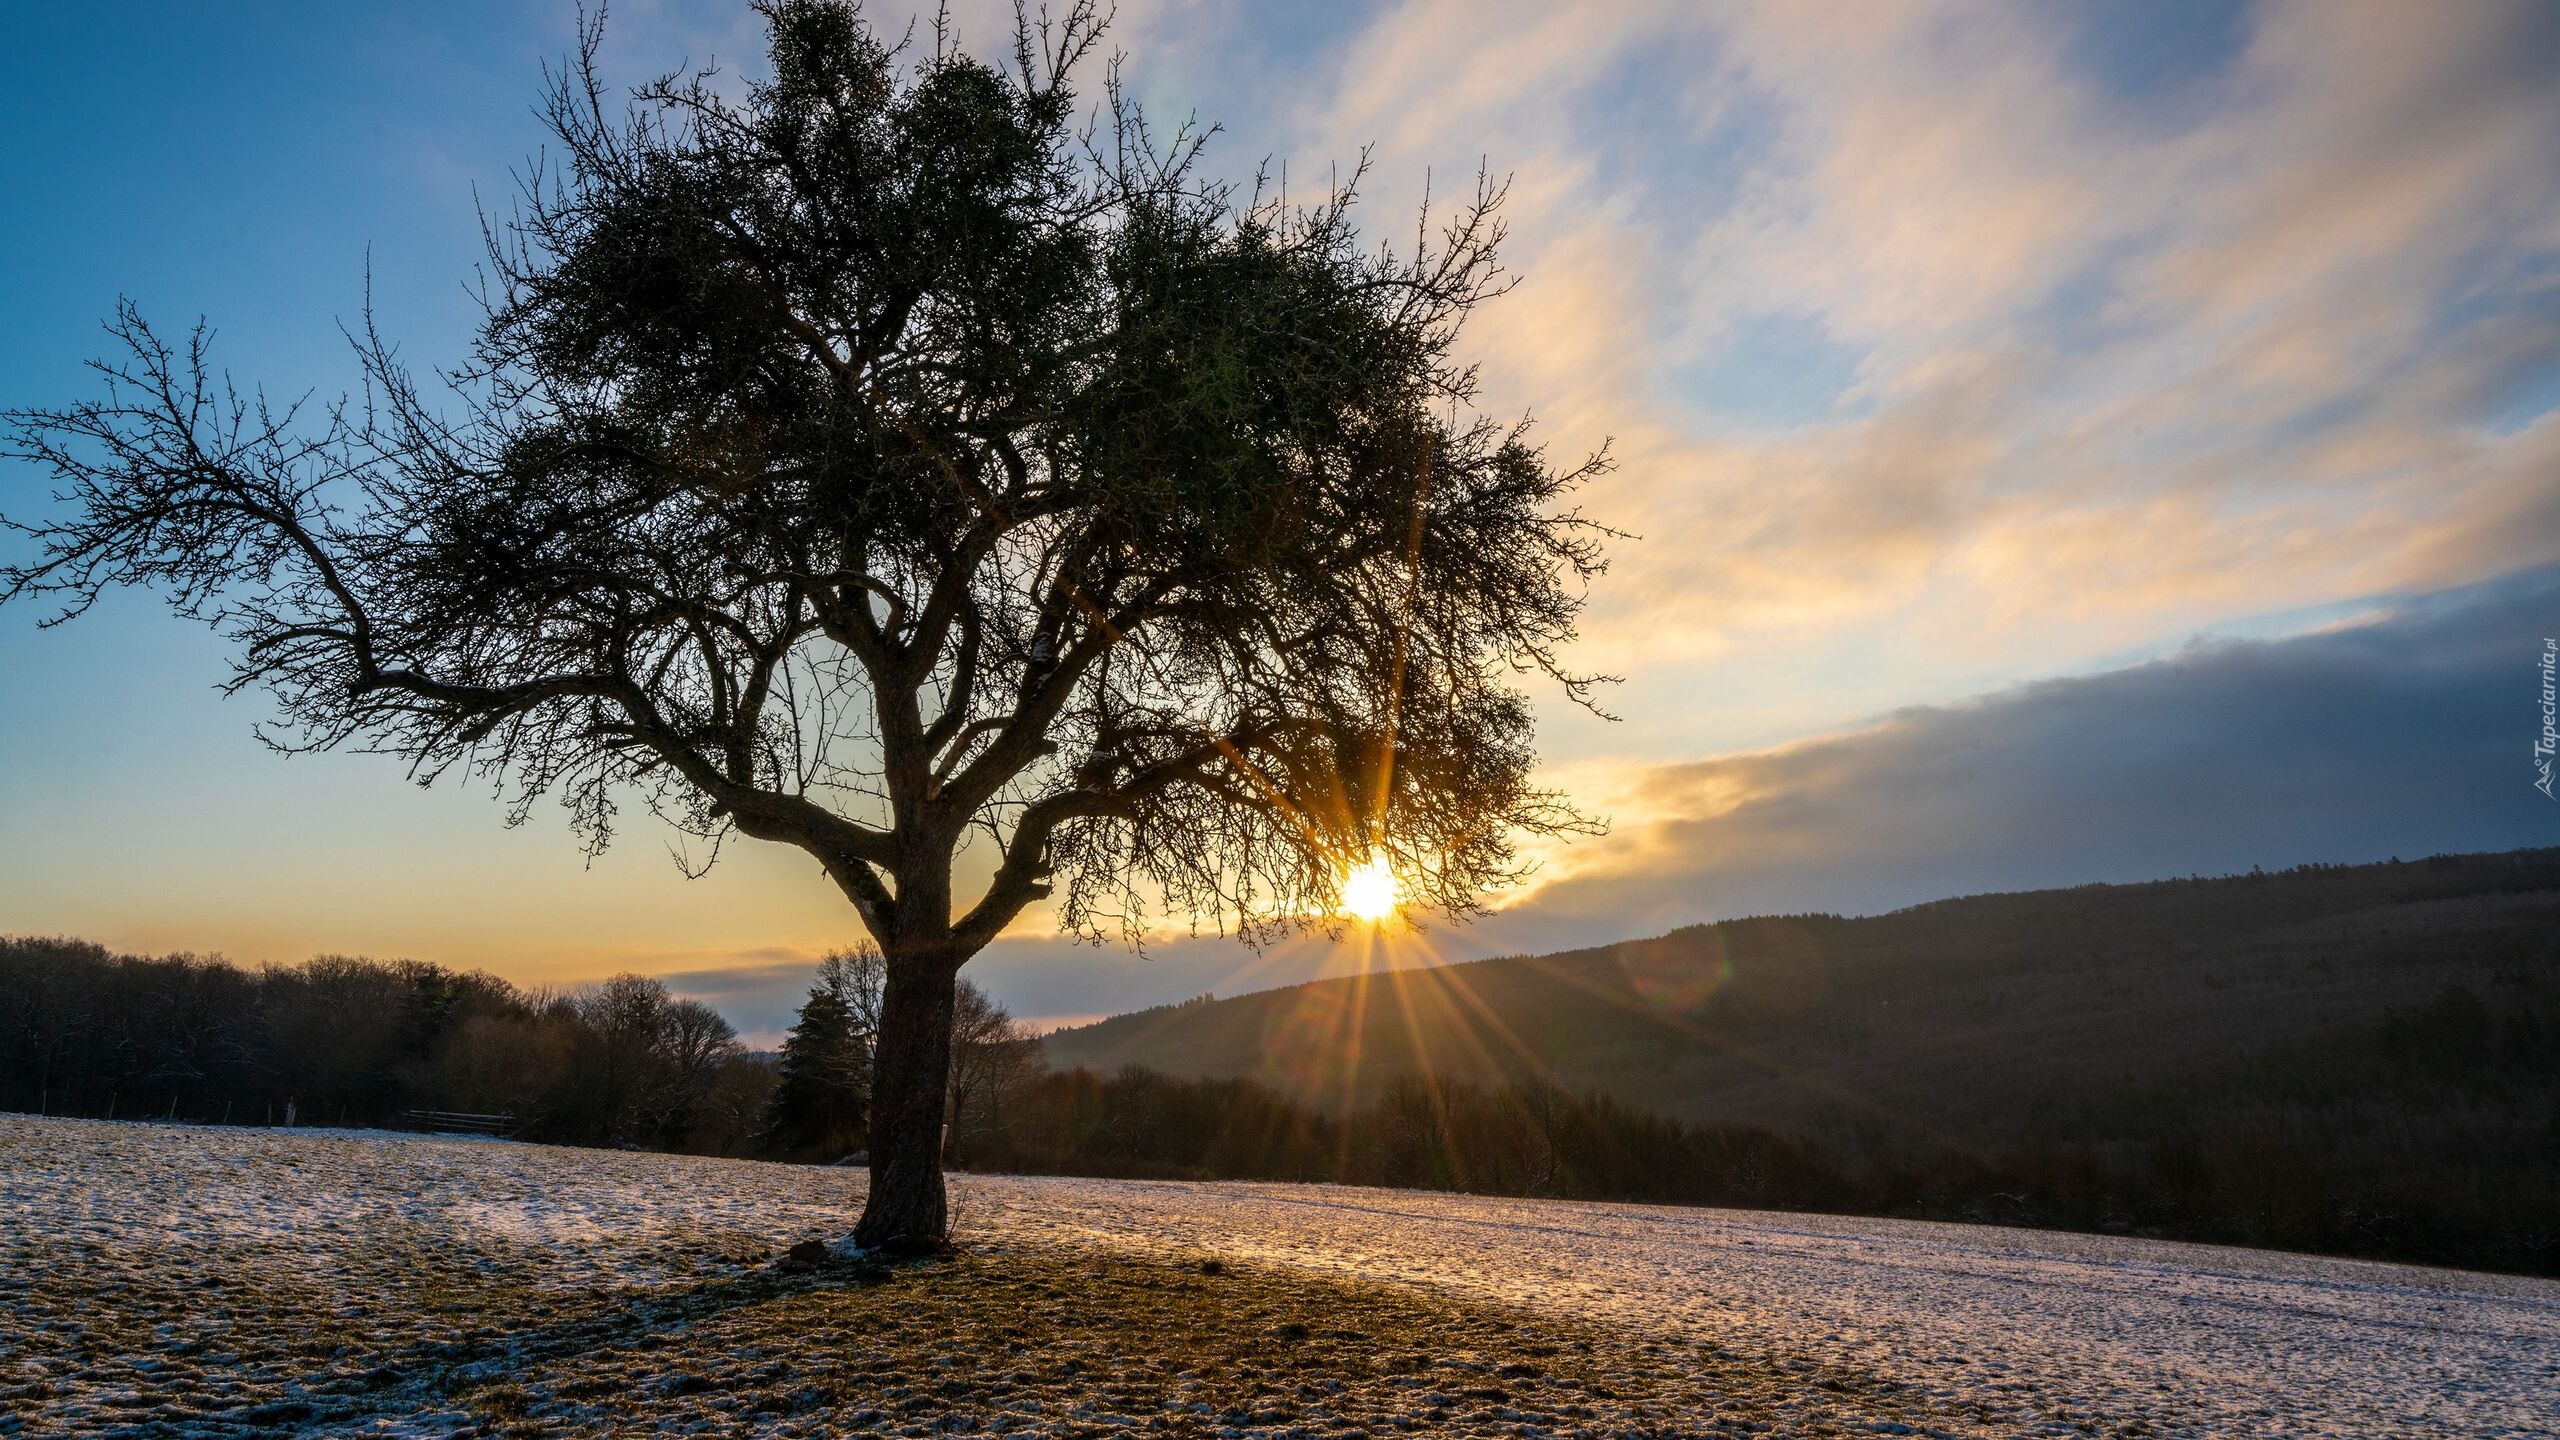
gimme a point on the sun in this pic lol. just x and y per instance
(1370, 891)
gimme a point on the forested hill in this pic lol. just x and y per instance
(2322, 996)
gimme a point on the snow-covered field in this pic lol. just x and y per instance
(197, 1282)
(2049, 1328)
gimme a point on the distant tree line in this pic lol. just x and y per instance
(340, 1040)
(2335, 1175)
(1526, 1140)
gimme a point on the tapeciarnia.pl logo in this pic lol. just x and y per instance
(2544, 744)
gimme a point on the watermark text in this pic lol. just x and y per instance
(2549, 740)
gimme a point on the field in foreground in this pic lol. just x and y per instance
(167, 1280)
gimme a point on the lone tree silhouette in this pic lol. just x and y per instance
(894, 465)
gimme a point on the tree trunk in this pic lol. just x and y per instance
(910, 1078)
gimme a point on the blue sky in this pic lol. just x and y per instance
(1952, 353)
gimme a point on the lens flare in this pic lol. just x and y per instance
(1370, 891)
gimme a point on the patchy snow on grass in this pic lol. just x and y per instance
(2054, 1328)
(200, 1282)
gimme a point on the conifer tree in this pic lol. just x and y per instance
(817, 1107)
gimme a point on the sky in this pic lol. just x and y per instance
(2061, 444)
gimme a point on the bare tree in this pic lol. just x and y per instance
(695, 1043)
(886, 463)
(993, 1056)
(626, 1024)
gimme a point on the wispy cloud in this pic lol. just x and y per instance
(1925, 324)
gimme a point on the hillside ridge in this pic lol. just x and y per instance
(1805, 1020)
